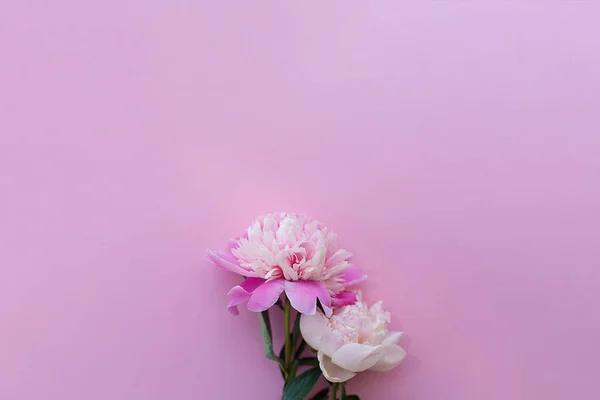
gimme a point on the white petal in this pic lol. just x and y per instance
(392, 338)
(357, 357)
(331, 342)
(312, 328)
(393, 355)
(332, 372)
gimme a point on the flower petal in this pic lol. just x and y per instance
(309, 247)
(353, 275)
(331, 342)
(283, 260)
(244, 290)
(238, 296)
(357, 357)
(393, 355)
(392, 338)
(242, 293)
(265, 296)
(303, 296)
(325, 300)
(231, 245)
(233, 310)
(312, 328)
(251, 284)
(337, 257)
(221, 262)
(344, 298)
(332, 372)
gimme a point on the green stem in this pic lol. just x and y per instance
(288, 343)
(334, 387)
(293, 370)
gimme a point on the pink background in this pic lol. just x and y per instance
(454, 146)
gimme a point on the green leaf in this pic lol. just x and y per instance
(281, 356)
(300, 349)
(343, 391)
(266, 334)
(267, 337)
(282, 353)
(322, 395)
(299, 387)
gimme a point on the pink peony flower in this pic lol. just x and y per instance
(353, 340)
(293, 254)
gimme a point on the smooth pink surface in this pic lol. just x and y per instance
(454, 146)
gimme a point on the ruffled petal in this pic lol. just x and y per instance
(242, 292)
(312, 328)
(337, 257)
(303, 296)
(357, 357)
(353, 275)
(285, 264)
(309, 248)
(393, 355)
(232, 244)
(343, 299)
(332, 372)
(221, 262)
(238, 296)
(265, 296)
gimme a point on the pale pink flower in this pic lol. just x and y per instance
(353, 340)
(293, 254)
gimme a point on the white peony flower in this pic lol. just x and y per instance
(353, 340)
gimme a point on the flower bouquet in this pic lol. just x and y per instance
(292, 262)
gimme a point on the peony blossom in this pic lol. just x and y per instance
(293, 254)
(353, 340)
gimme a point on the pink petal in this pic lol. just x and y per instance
(357, 357)
(332, 372)
(251, 284)
(228, 253)
(312, 328)
(265, 296)
(309, 247)
(353, 275)
(242, 293)
(337, 257)
(343, 299)
(326, 304)
(238, 296)
(233, 310)
(221, 262)
(233, 243)
(304, 294)
(393, 355)
(286, 266)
